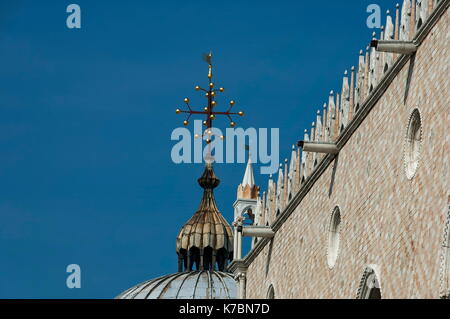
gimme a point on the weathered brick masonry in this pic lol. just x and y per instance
(386, 219)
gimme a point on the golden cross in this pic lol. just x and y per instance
(209, 109)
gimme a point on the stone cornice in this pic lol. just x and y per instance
(238, 266)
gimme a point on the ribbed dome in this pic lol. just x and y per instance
(186, 285)
(207, 228)
(207, 238)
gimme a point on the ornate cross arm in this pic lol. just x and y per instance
(209, 109)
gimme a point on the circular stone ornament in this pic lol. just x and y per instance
(413, 144)
(334, 237)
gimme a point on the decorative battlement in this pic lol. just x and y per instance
(396, 39)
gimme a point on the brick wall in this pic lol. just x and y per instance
(387, 220)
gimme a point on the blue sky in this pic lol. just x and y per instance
(86, 117)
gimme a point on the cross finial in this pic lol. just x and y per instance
(210, 93)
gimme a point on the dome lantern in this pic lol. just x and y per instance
(206, 240)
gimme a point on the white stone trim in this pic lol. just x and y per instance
(334, 237)
(366, 280)
(444, 270)
(412, 155)
(270, 292)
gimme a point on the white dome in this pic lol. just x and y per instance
(185, 285)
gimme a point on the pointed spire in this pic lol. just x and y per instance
(272, 199)
(405, 20)
(248, 189)
(389, 31)
(262, 221)
(331, 106)
(311, 157)
(421, 13)
(305, 169)
(325, 131)
(345, 101)
(331, 116)
(397, 22)
(280, 191)
(305, 154)
(293, 163)
(359, 90)
(280, 181)
(412, 22)
(337, 120)
(286, 184)
(352, 94)
(248, 176)
(388, 35)
(430, 6)
(366, 76)
(318, 131)
(373, 68)
(259, 213)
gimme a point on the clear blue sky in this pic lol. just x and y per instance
(86, 116)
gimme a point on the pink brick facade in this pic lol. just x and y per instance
(386, 219)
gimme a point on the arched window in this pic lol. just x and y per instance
(208, 258)
(445, 259)
(369, 287)
(271, 292)
(182, 260)
(334, 237)
(221, 258)
(193, 259)
(249, 216)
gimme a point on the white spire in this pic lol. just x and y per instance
(248, 176)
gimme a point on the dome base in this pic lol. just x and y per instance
(185, 285)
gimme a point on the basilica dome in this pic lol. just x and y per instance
(186, 285)
(204, 247)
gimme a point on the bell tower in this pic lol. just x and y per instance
(247, 195)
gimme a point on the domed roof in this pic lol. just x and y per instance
(207, 238)
(186, 285)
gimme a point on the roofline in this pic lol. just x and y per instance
(344, 137)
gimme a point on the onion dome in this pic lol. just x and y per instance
(186, 285)
(206, 240)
